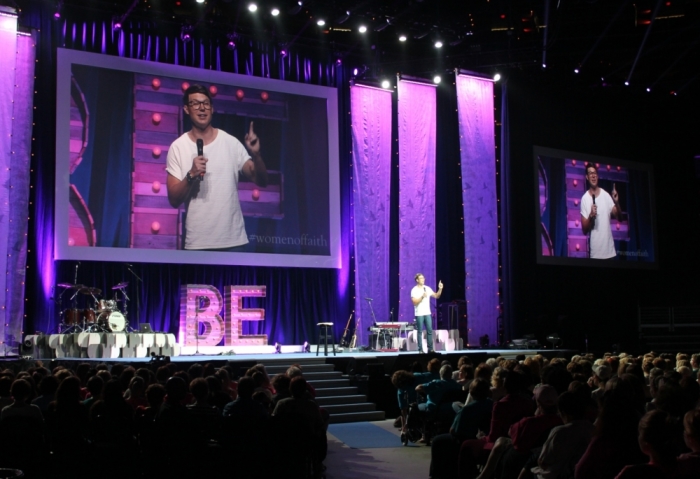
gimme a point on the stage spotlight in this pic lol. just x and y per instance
(362, 29)
(576, 70)
(648, 89)
(293, 10)
(343, 18)
(275, 12)
(382, 26)
(360, 72)
(437, 79)
(283, 51)
(186, 33)
(627, 83)
(58, 10)
(403, 38)
(231, 45)
(320, 22)
(497, 77)
(386, 84)
(438, 44)
(252, 7)
(544, 65)
(116, 23)
(338, 61)
(200, 1)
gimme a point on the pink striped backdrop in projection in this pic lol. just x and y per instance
(477, 144)
(417, 110)
(371, 165)
(16, 95)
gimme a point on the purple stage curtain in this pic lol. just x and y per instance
(417, 116)
(16, 94)
(371, 165)
(476, 130)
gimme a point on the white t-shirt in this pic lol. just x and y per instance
(602, 244)
(422, 308)
(214, 217)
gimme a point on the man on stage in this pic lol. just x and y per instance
(207, 180)
(597, 206)
(420, 295)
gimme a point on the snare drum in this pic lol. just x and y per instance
(112, 320)
(107, 305)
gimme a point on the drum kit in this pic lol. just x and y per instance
(88, 312)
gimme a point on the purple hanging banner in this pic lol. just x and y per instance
(16, 98)
(417, 102)
(477, 144)
(371, 165)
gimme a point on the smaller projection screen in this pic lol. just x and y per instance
(602, 216)
(116, 120)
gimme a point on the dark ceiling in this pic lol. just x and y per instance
(652, 43)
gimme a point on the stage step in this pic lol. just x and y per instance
(336, 391)
(328, 383)
(341, 400)
(357, 417)
(333, 390)
(348, 408)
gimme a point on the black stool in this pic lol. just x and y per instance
(324, 329)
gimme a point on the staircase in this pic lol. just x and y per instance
(333, 392)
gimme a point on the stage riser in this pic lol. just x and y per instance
(101, 345)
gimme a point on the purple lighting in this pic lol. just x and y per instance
(57, 15)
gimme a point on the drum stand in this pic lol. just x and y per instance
(75, 327)
(121, 288)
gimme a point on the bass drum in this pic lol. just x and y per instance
(112, 320)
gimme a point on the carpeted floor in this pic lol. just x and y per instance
(386, 462)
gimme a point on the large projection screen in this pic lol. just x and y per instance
(561, 185)
(115, 121)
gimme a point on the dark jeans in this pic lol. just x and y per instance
(427, 322)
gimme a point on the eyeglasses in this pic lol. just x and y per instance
(196, 104)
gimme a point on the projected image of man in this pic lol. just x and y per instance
(204, 167)
(597, 207)
(420, 296)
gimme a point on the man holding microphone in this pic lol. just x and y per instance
(420, 296)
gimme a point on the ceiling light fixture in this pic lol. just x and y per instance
(275, 12)
(252, 7)
(362, 29)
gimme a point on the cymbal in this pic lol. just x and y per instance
(70, 285)
(121, 285)
(94, 291)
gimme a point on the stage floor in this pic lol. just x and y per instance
(291, 357)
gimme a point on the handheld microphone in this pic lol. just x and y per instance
(200, 152)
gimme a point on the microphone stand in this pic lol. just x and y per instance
(374, 321)
(138, 296)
